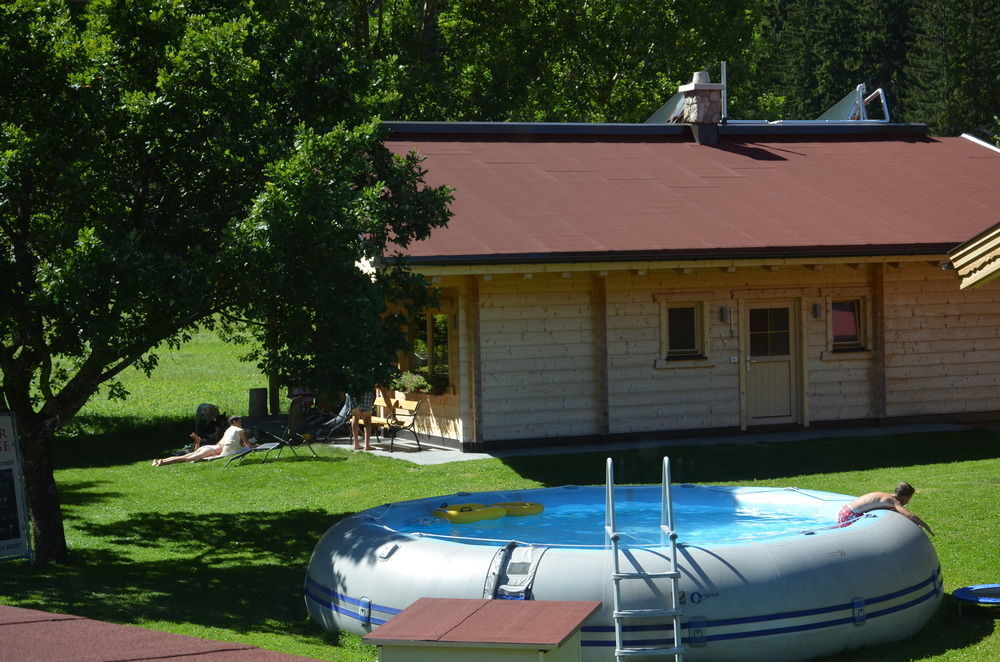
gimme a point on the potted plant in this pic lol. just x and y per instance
(411, 382)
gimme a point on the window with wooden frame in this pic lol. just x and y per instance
(682, 330)
(848, 325)
(430, 356)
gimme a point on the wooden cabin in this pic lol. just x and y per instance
(619, 282)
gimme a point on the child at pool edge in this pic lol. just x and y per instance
(882, 501)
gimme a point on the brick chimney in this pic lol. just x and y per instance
(703, 108)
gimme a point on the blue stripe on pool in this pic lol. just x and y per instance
(341, 610)
(933, 579)
(317, 592)
(773, 617)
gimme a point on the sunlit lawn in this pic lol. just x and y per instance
(221, 552)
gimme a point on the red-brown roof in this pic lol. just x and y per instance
(537, 624)
(561, 196)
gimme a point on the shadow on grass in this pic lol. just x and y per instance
(85, 493)
(242, 572)
(946, 631)
(760, 461)
(103, 441)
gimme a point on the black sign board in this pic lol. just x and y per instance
(14, 530)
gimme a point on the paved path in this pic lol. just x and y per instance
(28, 635)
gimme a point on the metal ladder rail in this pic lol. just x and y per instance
(619, 614)
(669, 535)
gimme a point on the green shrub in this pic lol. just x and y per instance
(411, 382)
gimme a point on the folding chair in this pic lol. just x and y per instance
(291, 438)
(331, 423)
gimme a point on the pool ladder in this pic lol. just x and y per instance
(622, 614)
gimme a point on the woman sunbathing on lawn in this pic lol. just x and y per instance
(232, 440)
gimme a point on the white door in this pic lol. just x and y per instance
(770, 364)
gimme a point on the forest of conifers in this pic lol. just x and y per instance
(619, 60)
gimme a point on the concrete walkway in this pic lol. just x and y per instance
(439, 455)
(28, 635)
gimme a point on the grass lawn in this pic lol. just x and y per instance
(210, 551)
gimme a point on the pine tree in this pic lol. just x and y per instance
(817, 55)
(884, 38)
(954, 82)
(814, 53)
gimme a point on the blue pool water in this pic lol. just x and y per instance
(576, 516)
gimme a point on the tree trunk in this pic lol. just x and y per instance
(49, 537)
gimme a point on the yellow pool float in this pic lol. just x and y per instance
(519, 508)
(463, 513)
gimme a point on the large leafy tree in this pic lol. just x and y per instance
(163, 162)
(547, 60)
(330, 319)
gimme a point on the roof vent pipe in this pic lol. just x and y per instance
(703, 108)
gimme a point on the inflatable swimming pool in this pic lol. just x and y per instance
(764, 573)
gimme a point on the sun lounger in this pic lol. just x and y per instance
(242, 453)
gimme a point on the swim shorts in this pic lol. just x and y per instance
(847, 516)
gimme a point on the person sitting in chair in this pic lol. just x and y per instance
(232, 440)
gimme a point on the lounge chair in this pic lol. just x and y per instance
(242, 453)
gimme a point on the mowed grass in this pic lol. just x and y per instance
(205, 550)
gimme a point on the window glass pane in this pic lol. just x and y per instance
(759, 320)
(780, 343)
(429, 353)
(420, 355)
(846, 321)
(439, 346)
(769, 332)
(682, 334)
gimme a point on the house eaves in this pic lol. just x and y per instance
(403, 130)
(807, 254)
